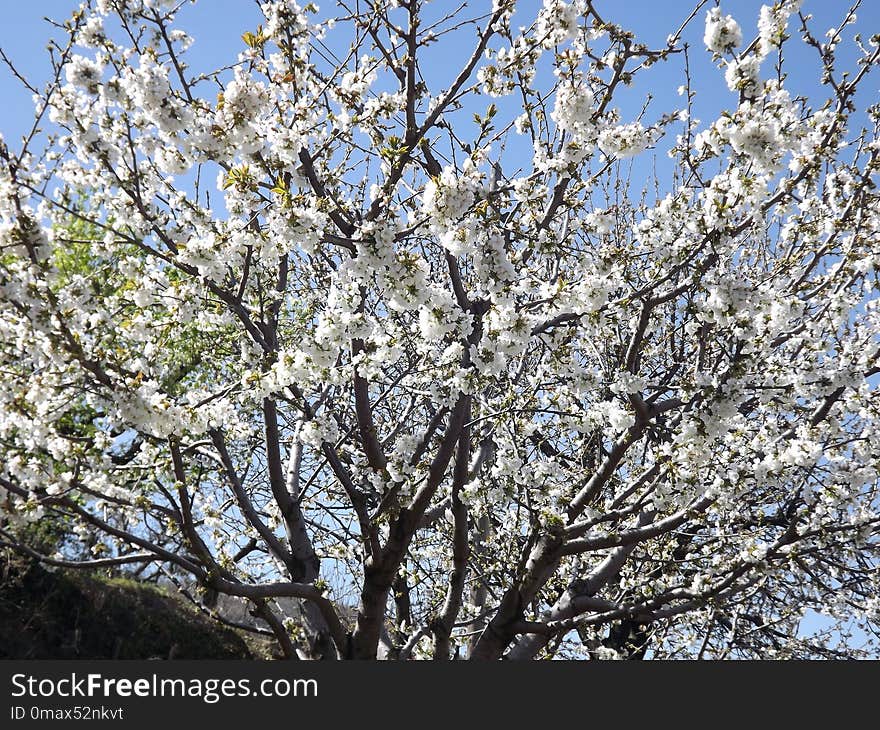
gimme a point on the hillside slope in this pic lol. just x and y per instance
(76, 615)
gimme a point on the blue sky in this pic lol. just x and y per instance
(217, 26)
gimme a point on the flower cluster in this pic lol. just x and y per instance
(723, 34)
(625, 140)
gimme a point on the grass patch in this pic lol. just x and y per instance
(89, 615)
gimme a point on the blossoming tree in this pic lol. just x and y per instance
(412, 345)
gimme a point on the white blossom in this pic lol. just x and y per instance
(723, 33)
